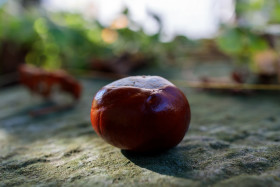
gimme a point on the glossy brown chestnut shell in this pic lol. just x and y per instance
(141, 113)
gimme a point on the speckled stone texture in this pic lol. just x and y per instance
(233, 140)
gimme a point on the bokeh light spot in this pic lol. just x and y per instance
(109, 35)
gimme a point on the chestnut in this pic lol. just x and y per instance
(141, 113)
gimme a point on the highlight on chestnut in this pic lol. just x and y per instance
(141, 113)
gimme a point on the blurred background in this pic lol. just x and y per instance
(220, 53)
(120, 37)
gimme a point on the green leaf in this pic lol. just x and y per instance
(230, 42)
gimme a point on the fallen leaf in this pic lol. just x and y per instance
(43, 82)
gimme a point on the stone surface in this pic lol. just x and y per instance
(233, 140)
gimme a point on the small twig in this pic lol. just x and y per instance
(226, 86)
(185, 83)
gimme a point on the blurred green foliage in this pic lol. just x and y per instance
(257, 12)
(241, 43)
(67, 40)
(247, 35)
